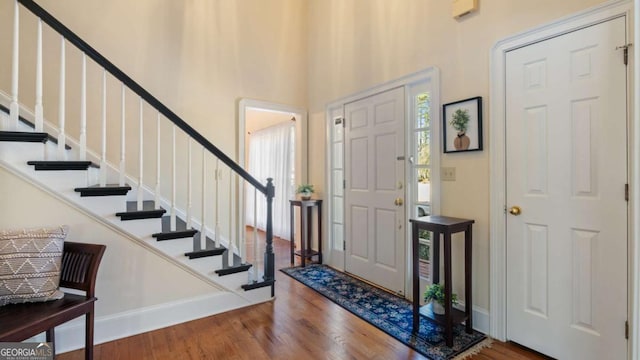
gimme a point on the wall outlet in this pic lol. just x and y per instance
(448, 174)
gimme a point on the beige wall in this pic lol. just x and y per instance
(356, 44)
(197, 57)
(200, 57)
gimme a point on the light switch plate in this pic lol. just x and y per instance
(448, 174)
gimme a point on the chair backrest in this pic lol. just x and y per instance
(80, 266)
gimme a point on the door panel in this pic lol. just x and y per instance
(374, 139)
(566, 169)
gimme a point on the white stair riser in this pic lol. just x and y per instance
(103, 205)
(19, 153)
(141, 228)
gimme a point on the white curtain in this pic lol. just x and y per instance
(271, 154)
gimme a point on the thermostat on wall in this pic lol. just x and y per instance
(463, 7)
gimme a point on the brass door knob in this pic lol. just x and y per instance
(399, 202)
(515, 210)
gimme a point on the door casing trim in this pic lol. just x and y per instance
(498, 268)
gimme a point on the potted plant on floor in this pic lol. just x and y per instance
(305, 191)
(435, 295)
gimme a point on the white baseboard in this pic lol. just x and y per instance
(70, 336)
(481, 319)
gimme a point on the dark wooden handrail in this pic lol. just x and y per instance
(74, 39)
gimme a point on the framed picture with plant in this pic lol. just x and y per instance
(462, 125)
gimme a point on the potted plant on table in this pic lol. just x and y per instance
(305, 191)
(435, 295)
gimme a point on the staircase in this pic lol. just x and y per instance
(206, 238)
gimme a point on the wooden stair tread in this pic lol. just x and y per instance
(22, 136)
(233, 269)
(108, 190)
(257, 284)
(61, 165)
(178, 234)
(33, 126)
(196, 254)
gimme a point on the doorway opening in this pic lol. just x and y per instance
(271, 144)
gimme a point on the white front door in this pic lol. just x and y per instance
(566, 170)
(374, 188)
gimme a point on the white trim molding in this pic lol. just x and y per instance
(498, 269)
(634, 171)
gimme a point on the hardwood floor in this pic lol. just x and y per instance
(299, 324)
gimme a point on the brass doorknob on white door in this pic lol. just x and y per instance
(398, 202)
(515, 210)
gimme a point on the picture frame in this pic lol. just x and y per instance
(462, 125)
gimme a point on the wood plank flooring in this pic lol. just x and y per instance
(299, 324)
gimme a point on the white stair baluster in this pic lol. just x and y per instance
(189, 190)
(38, 107)
(217, 210)
(61, 106)
(140, 193)
(256, 250)
(103, 152)
(203, 228)
(122, 137)
(173, 179)
(14, 108)
(83, 110)
(157, 191)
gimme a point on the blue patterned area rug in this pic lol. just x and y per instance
(387, 312)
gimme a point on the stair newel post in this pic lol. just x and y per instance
(172, 221)
(189, 183)
(157, 189)
(217, 205)
(83, 109)
(203, 227)
(269, 258)
(103, 152)
(230, 222)
(256, 243)
(242, 228)
(38, 107)
(61, 106)
(122, 134)
(140, 194)
(14, 108)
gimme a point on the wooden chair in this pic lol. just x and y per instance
(80, 262)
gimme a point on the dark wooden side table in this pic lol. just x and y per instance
(446, 226)
(305, 229)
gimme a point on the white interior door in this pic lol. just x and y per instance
(374, 174)
(567, 170)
